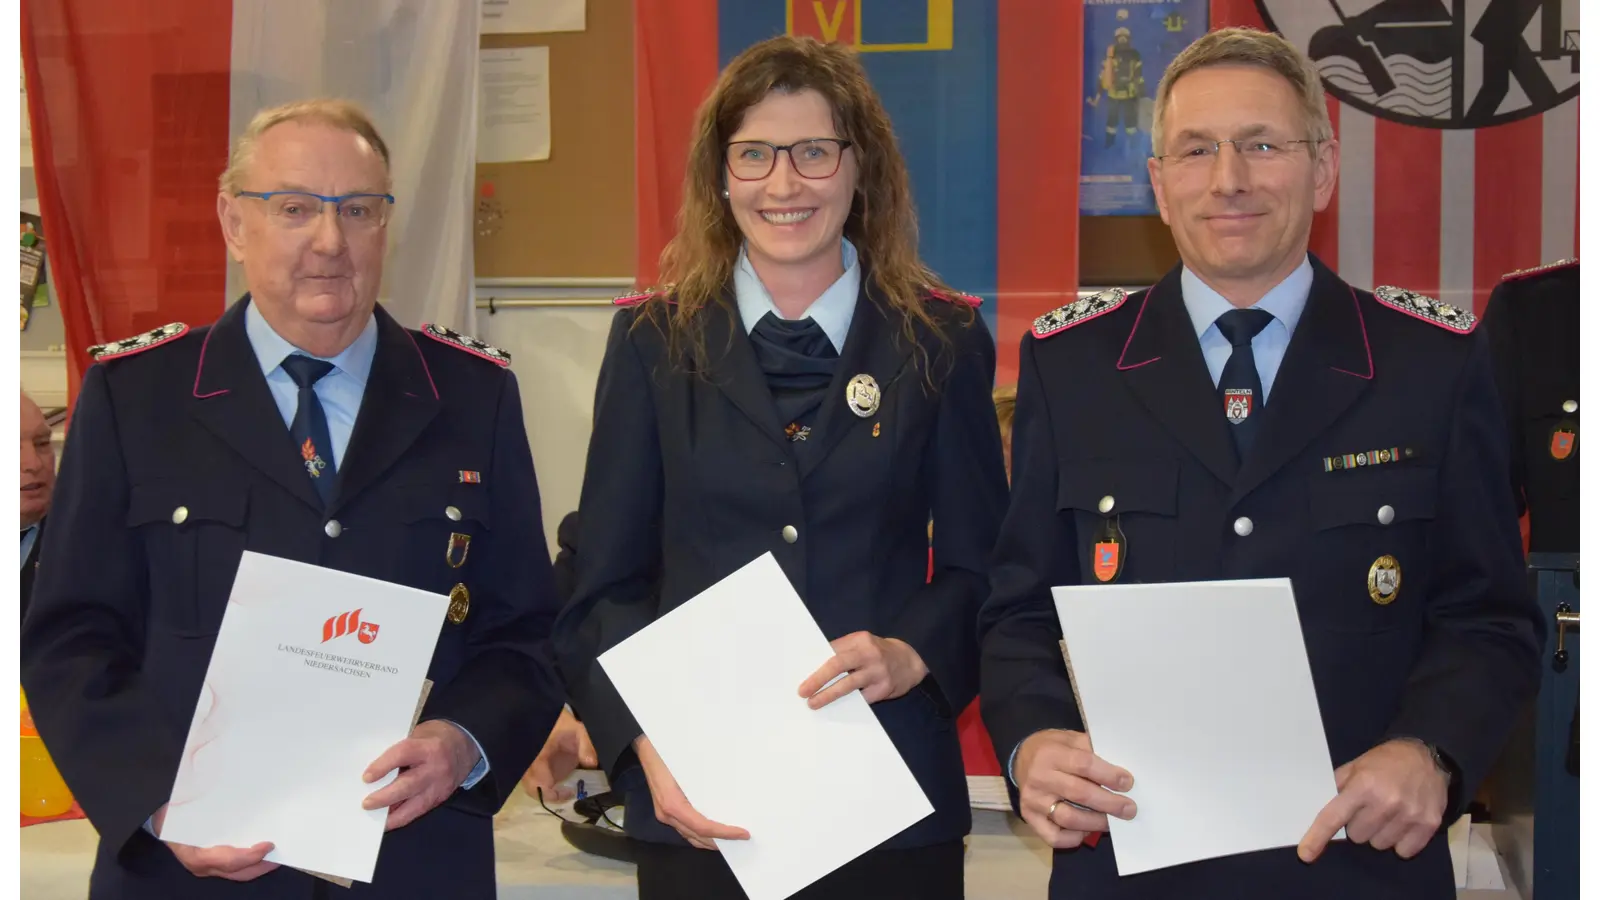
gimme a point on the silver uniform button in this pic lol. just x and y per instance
(1242, 526)
(333, 529)
(1107, 503)
(453, 514)
(180, 515)
(1385, 514)
(790, 534)
(1570, 406)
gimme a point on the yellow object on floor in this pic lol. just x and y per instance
(43, 793)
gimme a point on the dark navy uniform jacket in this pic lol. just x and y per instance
(690, 477)
(130, 596)
(1121, 404)
(1532, 321)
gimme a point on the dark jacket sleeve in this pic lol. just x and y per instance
(620, 533)
(1500, 325)
(507, 694)
(1025, 688)
(967, 479)
(1479, 660)
(83, 639)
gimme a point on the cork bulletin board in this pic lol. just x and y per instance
(571, 216)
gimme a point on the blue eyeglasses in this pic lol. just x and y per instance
(292, 209)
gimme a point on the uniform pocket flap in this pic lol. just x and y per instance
(422, 504)
(1132, 486)
(1374, 497)
(182, 502)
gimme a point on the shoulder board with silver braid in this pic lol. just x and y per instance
(1429, 310)
(1539, 270)
(456, 339)
(1078, 312)
(138, 343)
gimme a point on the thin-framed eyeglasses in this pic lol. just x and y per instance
(295, 209)
(1197, 153)
(814, 158)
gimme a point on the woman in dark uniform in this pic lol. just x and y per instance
(803, 386)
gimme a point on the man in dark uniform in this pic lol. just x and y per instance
(38, 483)
(1532, 322)
(1253, 416)
(306, 424)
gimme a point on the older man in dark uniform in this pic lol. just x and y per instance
(306, 424)
(1254, 416)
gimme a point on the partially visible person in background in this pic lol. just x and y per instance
(38, 485)
(1005, 409)
(977, 750)
(565, 565)
(1532, 322)
(567, 749)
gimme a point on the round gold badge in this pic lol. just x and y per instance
(1383, 580)
(460, 603)
(862, 395)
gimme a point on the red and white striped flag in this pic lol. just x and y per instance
(133, 104)
(1458, 123)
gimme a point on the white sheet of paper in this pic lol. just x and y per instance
(1203, 691)
(714, 684)
(299, 698)
(527, 16)
(514, 104)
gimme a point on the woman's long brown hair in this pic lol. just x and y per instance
(698, 262)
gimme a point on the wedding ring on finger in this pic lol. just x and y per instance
(1051, 815)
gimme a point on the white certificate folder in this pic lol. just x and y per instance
(1203, 691)
(314, 675)
(715, 684)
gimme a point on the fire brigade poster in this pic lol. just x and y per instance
(1127, 45)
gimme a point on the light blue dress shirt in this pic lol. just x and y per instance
(340, 392)
(30, 536)
(833, 310)
(1286, 302)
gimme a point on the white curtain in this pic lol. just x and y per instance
(413, 65)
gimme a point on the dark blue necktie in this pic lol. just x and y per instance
(310, 425)
(1240, 384)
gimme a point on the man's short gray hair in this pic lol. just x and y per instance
(1249, 47)
(327, 110)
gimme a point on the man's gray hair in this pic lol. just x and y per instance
(327, 110)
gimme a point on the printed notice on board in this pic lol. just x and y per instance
(527, 16)
(513, 104)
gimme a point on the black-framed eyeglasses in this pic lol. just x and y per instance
(293, 209)
(814, 158)
(1192, 154)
